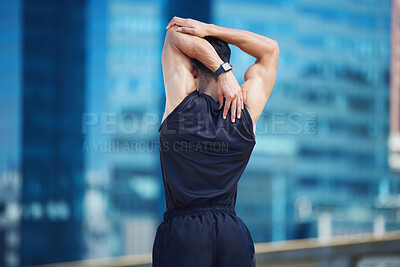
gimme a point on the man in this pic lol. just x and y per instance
(200, 226)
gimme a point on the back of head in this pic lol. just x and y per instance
(222, 49)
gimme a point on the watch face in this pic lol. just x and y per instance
(226, 66)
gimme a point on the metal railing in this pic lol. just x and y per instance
(361, 250)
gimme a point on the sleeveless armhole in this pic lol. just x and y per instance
(249, 122)
(176, 109)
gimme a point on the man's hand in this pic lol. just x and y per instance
(228, 86)
(190, 26)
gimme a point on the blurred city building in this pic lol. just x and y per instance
(10, 127)
(43, 81)
(320, 161)
(53, 73)
(125, 97)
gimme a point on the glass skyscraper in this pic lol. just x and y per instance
(42, 74)
(321, 156)
(52, 163)
(125, 89)
(10, 125)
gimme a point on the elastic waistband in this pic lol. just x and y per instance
(198, 210)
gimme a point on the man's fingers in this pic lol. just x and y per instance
(233, 109)
(220, 99)
(173, 22)
(186, 30)
(239, 108)
(176, 21)
(228, 101)
(240, 102)
(170, 24)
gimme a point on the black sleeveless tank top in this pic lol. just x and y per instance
(202, 155)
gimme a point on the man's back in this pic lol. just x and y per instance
(203, 155)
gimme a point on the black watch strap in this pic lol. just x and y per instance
(223, 68)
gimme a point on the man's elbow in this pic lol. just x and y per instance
(172, 31)
(174, 37)
(274, 48)
(270, 54)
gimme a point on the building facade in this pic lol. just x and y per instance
(321, 154)
(125, 91)
(10, 125)
(52, 96)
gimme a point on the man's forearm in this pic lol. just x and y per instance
(195, 47)
(253, 44)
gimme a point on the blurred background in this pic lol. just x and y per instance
(81, 99)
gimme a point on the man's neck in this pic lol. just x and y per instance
(209, 89)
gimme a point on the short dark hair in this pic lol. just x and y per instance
(223, 50)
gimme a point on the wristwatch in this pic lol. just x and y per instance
(223, 68)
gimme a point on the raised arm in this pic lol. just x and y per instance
(260, 78)
(179, 49)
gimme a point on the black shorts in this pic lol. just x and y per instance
(205, 236)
